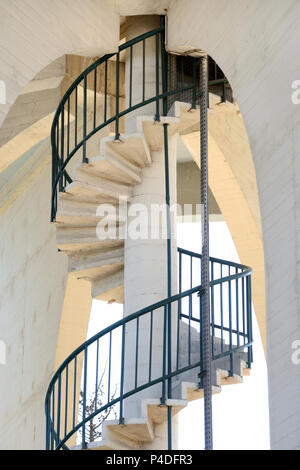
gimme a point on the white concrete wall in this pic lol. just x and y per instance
(32, 287)
(256, 45)
(33, 33)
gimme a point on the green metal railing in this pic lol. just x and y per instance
(233, 326)
(76, 122)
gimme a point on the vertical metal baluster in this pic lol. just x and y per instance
(136, 351)
(221, 309)
(164, 70)
(243, 307)
(121, 420)
(144, 67)
(109, 366)
(150, 345)
(48, 424)
(84, 159)
(95, 97)
(191, 272)
(58, 408)
(117, 135)
(178, 332)
(230, 325)
(189, 334)
(83, 443)
(68, 136)
(74, 395)
(105, 92)
(97, 371)
(164, 358)
(130, 78)
(201, 330)
(249, 320)
(180, 272)
(53, 435)
(212, 309)
(66, 399)
(157, 117)
(62, 145)
(237, 308)
(76, 117)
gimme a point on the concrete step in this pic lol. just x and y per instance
(85, 261)
(82, 239)
(114, 167)
(101, 191)
(131, 147)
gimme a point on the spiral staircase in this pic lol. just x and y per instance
(83, 180)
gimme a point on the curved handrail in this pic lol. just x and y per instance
(62, 150)
(58, 394)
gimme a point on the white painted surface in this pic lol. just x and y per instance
(33, 33)
(32, 286)
(255, 43)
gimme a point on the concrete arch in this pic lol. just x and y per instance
(36, 32)
(255, 44)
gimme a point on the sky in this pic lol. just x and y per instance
(240, 412)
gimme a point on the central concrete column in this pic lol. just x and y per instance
(145, 274)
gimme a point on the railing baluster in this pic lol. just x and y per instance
(157, 117)
(62, 150)
(144, 68)
(121, 419)
(230, 324)
(95, 97)
(84, 159)
(164, 358)
(237, 308)
(178, 332)
(221, 309)
(150, 345)
(105, 92)
(97, 372)
(130, 78)
(76, 117)
(54, 436)
(109, 366)
(66, 399)
(83, 443)
(243, 307)
(212, 301)
(191, 272)
(136, 352)
(74, 394)
(58, 408)
(189, 332)
(117, 135)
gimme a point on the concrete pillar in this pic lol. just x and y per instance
(145, 274)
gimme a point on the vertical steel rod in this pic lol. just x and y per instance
(206, 338)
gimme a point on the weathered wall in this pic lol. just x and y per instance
(255, 44)
(32, 286)
(33, 33)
